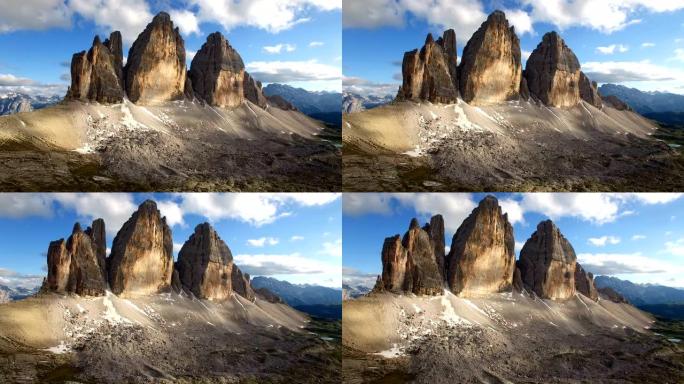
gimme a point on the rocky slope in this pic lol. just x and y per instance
(548, 129)
(154, 131)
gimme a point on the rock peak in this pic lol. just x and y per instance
(162, 17)
(429, 39)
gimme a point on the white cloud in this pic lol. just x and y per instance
(278, 48)
(678, 54)
(647, 45)
(332, 248)
(296, 238)
(521, 20)
(638, 237)
(189, 55)
(366, 88)
(34, 14)
(15, 279)
(271, 15)
(186, 21)
(525, 54)
(177, 247)
(276, 264)
(9, 80)
(309, 199)
(128, 16)
(675, 248)
(519, 246)
(594, 207)
(372, 14)
(603, 240)
(513, 209)
(289, 71)
(12, 83)
(454, 207)
(610, 49)
(618, 263)
(172, 211)
(357, 204)
(18, 205)
(114, 208)
(316, 44)
(606, 16)
(655, 198)
(354, 278)
(260, 242)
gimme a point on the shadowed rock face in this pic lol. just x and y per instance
(410, 264)
(547, 263)
(612, 295)
(615, 102)
(253, 93)
(517, 280)
(553, 72)
(205, 264)
(491, 69)
(241, 284)
(436, 231)
(278, 102)
(482, 256)
(432, 73)
(218, 73)
(589, 91)
(584, 283)
(98, 75)
(98, 236)
(73, 266)
(141, 261)
(155, 70)
(266, 294)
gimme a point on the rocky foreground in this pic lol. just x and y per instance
(489, 124)
(155, 125)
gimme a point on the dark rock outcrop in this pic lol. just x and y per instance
(553, 72)
(218, 73)
(436, 231)
(517, 280)
(278, 102)
(241, 283)
(482, 255)
(156, 69)
(524, 89)
(584, 283)
(253, 93)
(491, 69)
(98, 237)
(547, 263)
(205, 264)
(432, 73)
(612, 295)
(615, 102)
(589, 91)
(98, 74)
(141, 261)
(266, 294)
(410, 264)
(73, 266)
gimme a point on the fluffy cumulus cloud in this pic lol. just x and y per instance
(619, 263)
(604, 240)
(289, 264)
(186, 21)
(675, 248)
(12, 83)
(332, 248)
(355, 278)
(127, 16)
(278, 48)
(13, 279)
(34, 14)
(291, 71)
(594, 207)
(623, 71)
(611, 49)
(262, 241)
(366, 88)
(356, 204)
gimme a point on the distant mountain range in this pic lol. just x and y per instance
(18, 293)
(315, 300)
(355, 291)
(12, 103)
(657, 299)
(660, 106)
(352, 102)
(324, 106)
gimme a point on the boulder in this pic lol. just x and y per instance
(589, 91)
(547, 263)
(553, 72)
(97, 75)
(253, 93)
(73, 266)
(491, 69)
(410, 264)
(205, 264)
(141, 261)
(432, 73)
(584, 283)
(482, 255)
(241, 283)
(156, 69)
(218, 73)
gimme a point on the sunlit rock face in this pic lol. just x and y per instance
(491, 69)
(410, 264)
(205, 264)
(156, 69)
(98, 74)
(141, 262)
(482, 257)
(73, 265)
(432, 73)
(553, 73)
(547, 263)
(218, 73)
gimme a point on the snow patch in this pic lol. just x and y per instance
(59, 349)
(110, 313)
(391, 353)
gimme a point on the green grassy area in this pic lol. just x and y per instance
(329, 329)
(671, 134)
(671, 329)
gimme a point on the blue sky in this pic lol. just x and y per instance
(293, 237)
(637, 43)
(297, 42)
(638, 237)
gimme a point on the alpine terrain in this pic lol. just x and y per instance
(475, 314)
(152, 124)
(136, 316)
(487, 123)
